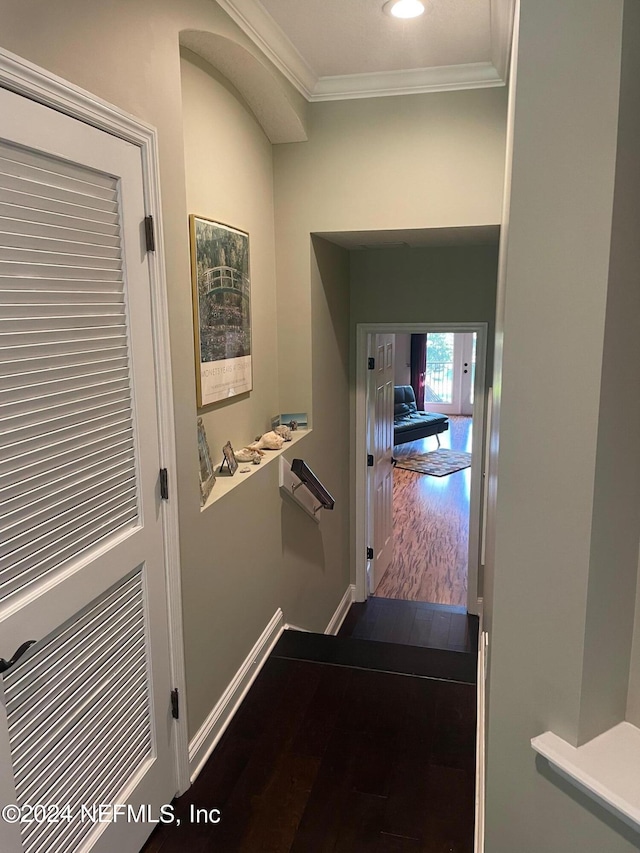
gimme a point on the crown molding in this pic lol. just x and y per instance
(257, 23)
(259, 26)
(502, 13)
(444, 78)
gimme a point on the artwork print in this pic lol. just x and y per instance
(222, 309)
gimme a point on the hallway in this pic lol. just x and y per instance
(430, 526)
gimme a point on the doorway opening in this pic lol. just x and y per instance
(432, 472)
(419, 499)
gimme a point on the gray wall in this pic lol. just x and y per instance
(250, 553)
(402, 365)
(562, 564)
(444, 284)
(345, 179)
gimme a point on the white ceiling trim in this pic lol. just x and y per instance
(444, 78)
(258, 24)
(260, 27)
(502, 12)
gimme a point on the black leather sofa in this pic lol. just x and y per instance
(408, 423)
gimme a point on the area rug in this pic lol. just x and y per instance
(438, 463)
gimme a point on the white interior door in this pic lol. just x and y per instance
(85, 713)
(381, 449)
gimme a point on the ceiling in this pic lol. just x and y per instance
(337, 49)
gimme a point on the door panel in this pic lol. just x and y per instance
(381, 475)
(85, 712)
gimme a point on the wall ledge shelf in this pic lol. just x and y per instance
(606, 768)
(225, 483)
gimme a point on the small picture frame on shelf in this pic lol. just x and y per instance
(229, 459)
(207, 472)
(294, 420)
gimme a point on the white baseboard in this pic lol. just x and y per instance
(206, 738)
(483, 642)
(338, 617)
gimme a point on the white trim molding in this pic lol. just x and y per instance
(414, 81)
(256, 23)
(23, 77)
(206, 738)
(605, 768)
(335, 623)
(481, 699)
(502, 18)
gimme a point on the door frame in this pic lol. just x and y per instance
(24, 78)
(478, 463)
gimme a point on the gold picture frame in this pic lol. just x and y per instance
(221, 288)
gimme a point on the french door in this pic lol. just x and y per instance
(450, 372)
(84, 712)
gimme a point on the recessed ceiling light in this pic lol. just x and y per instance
(404, 8)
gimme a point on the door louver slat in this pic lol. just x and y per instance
(65, 486)
(65, 396)
(32, 479)
(59, 173)
(108, 517)
(80, 741)
(57, 220)
(25, 228)
(31, 184)
(47, 650)
(66, 361)
(58, 242)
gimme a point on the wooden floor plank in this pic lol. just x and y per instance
(413, 623)
(327, 759)
(430, 527)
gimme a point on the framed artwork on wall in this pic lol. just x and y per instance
(207, 471)
(221, 309)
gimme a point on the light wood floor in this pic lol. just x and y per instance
(430, 527)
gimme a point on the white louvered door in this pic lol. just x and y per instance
(84, 714)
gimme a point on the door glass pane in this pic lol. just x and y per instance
(439, 368)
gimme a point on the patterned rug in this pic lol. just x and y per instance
(438, 463)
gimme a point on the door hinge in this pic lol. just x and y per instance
(164, 484)
(369, 553)
(175, 704)
(149, 234)
(369, 460)
(372, 364)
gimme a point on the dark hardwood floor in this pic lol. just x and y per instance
(416, 623)
(323, 757)
(430, 526)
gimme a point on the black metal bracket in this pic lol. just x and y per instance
(164, 484)
(7, 664)
(175, 704)
(149, 234)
